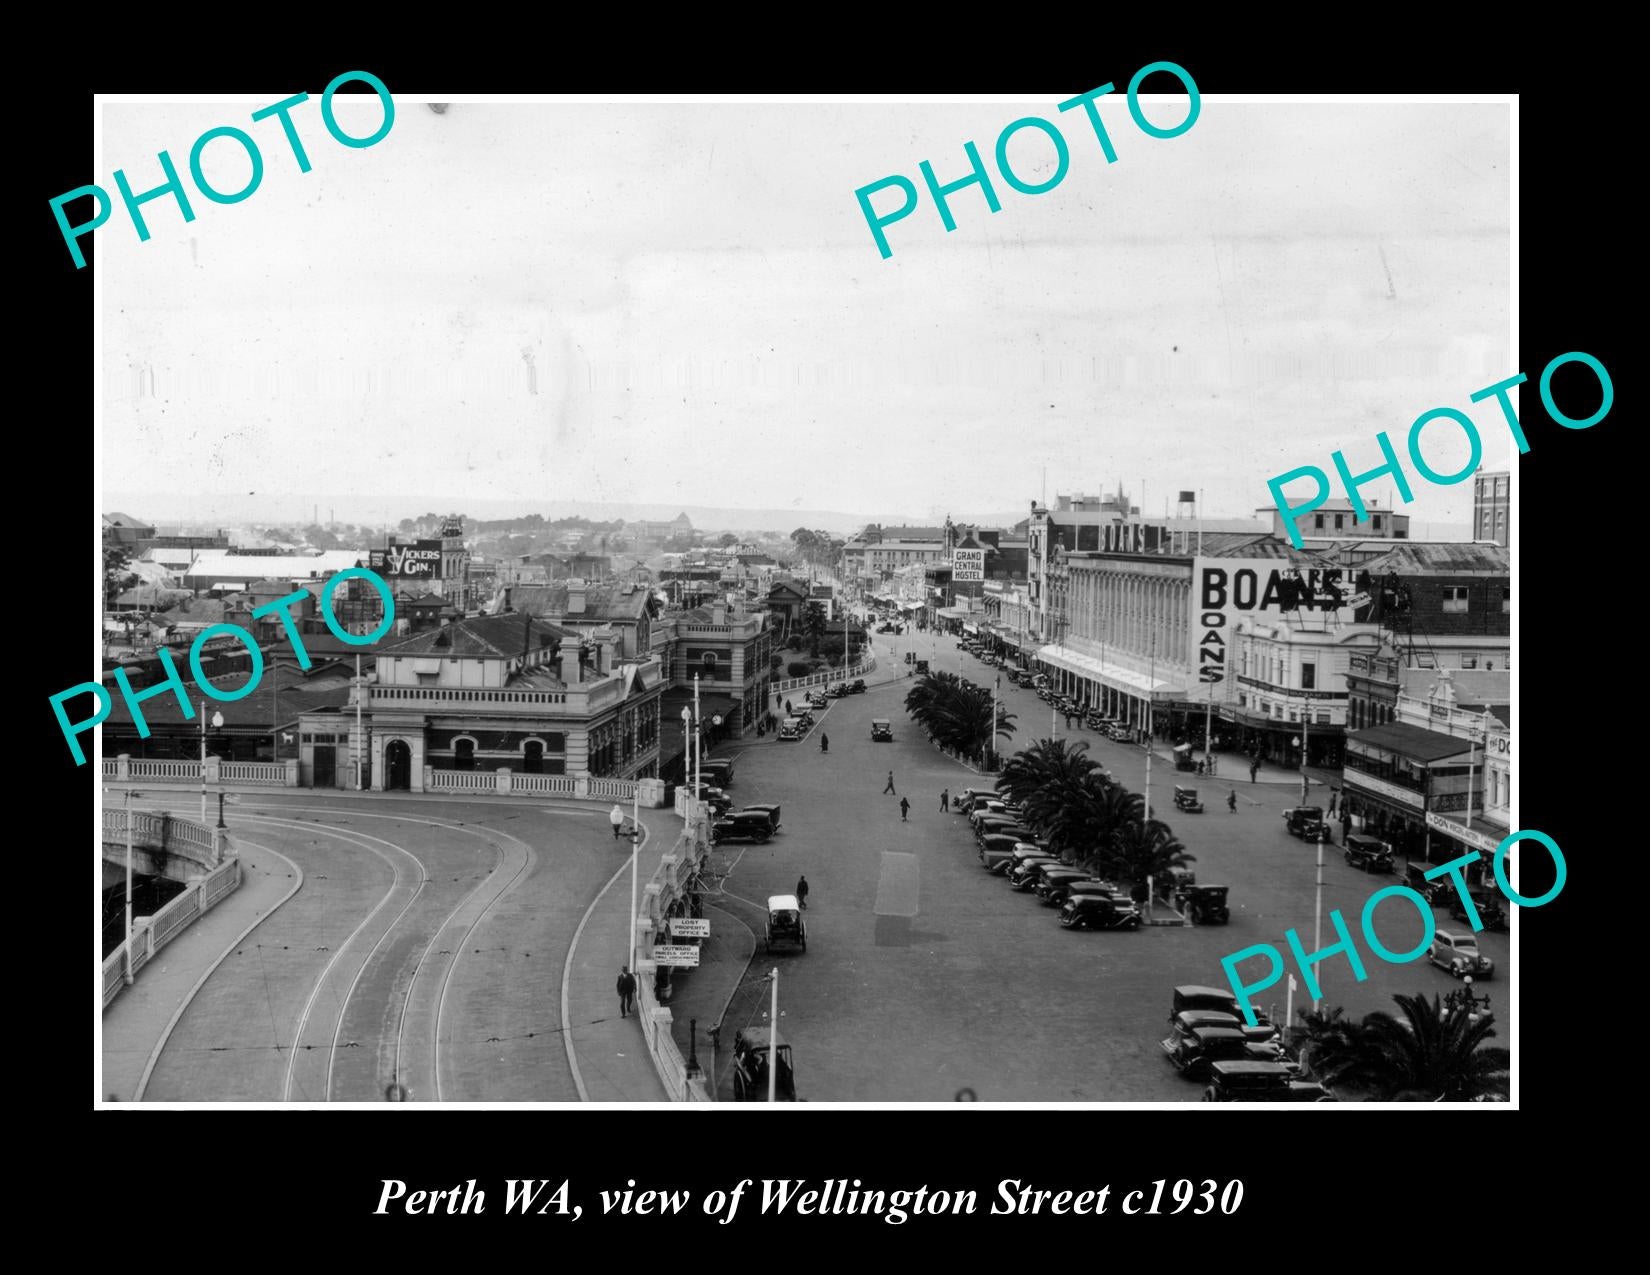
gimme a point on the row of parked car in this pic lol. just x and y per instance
(1210, 1041)
(1007, 848)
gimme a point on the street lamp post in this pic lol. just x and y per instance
(217, 724)
(773, 1041)
(1317, 918)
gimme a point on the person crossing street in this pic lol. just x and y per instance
(904, 809)
(890, 786)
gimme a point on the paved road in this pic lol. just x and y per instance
(982, 988)
(424, 949)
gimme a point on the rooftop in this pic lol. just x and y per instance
(1418, 557)
(1411, 741)
(604, 600)
(483, 637)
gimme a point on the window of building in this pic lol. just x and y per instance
(1455, 597)
(1323, 719)
(428, 679)
(1293, 716)
(1506, 602)
(1309, 678)
(1317, 523)
(1377, 521)
(1340, 521)
(1467, 661)
(464, 753)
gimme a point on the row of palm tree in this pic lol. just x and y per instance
(958, 717)
(1088, 818)
(1433, 1053)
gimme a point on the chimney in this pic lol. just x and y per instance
(570, 660)
(575, 597)
(606, 646)
(719, 613)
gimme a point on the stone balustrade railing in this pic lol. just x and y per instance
(151, 933)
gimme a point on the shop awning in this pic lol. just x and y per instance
(1486, 836)
(1113, 675)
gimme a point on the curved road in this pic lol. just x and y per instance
(424, 949)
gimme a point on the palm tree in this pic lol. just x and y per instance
(1331, 1046)
(1146, 853)
(1431, 1054)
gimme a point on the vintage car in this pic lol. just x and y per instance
(1099, 912)
(816, 699)
(770, 812)
(1243, 1081)
(1203, 904)
(1190, 996)
(1458, 953)
(1052, 884)
(1415, 876)
(803, 716)
(1190, 1019)
(882, 729)
(837, 692)
(741, 826)
(1368, 854)
(718, 801)
(1186, 799)
(857, 686)
(1194, 1050)
(1491, 914)
(717, 770)
(785, 923)
(1098, 887)
(985, 806)
(922, 670)
(997, 852)
(1119, 733)
(753, 1047)
(1003, 825)
(1183, 757)
(1305, 822)
(962, 801)
(1022, 851)
(1022, 875)
(790, 732)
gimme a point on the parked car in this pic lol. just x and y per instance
(1098, 886)
(790, 732)
(1193, 1052)
(1004, 824)
(1305, 822)
(1491, 914)
(984, 809)
(1191, 996)
(1203, 904)
(1022, 851)
(857, 686)
(1415, 876)
(718, 770)
(1192, 1018)
(1368, 854)
(1243, 1081)
(1099, 912)
(771, 813)
(1458, 953)
(741, 826)
(997, 852)
(1023, 875)
(1054, 883)
(838, 691)
(882, 730)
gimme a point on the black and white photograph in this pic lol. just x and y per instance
(882, 599)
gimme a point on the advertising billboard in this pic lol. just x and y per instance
(968, 564)
(422, 559)
(1225, 590)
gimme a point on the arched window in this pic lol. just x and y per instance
(532, 757)
(464, 753)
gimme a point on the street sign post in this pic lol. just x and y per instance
(677, 954)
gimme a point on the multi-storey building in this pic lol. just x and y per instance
(1492, 506)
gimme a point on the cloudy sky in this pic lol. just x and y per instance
(682, 304)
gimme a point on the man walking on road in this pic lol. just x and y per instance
(1254, 769)
(1231, 801)
(904, 808)
(802, 890)
(890, 787)
(945, 800)
(627, 990)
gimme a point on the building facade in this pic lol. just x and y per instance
(1492, 506)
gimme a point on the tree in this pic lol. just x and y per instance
(956, 717)
(1431, 1054)
(1143, 854)
(117, 573)
(1331, 1046)
(813, 625)
(728, 540)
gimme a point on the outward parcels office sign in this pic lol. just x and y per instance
(968, 564)
(421, 559)
(1225, 590)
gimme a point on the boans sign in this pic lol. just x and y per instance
(1228, 589)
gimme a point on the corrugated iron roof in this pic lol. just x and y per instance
(1411, 741)
(1417, 557)
(485, 637)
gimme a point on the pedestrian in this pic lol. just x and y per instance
(802, 890)
(787, 706)
(1254, 769)
(890, 787)
(1346, 824)
(1231, 801)
(824, 742)
(904, 807)
(945, 800)
(627, 990)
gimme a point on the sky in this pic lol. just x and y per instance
(681, 303)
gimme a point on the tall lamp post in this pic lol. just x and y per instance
(217, 724)
(1299, 742)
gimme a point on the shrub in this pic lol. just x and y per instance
(796, 668)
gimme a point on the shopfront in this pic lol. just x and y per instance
(1399, 780)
